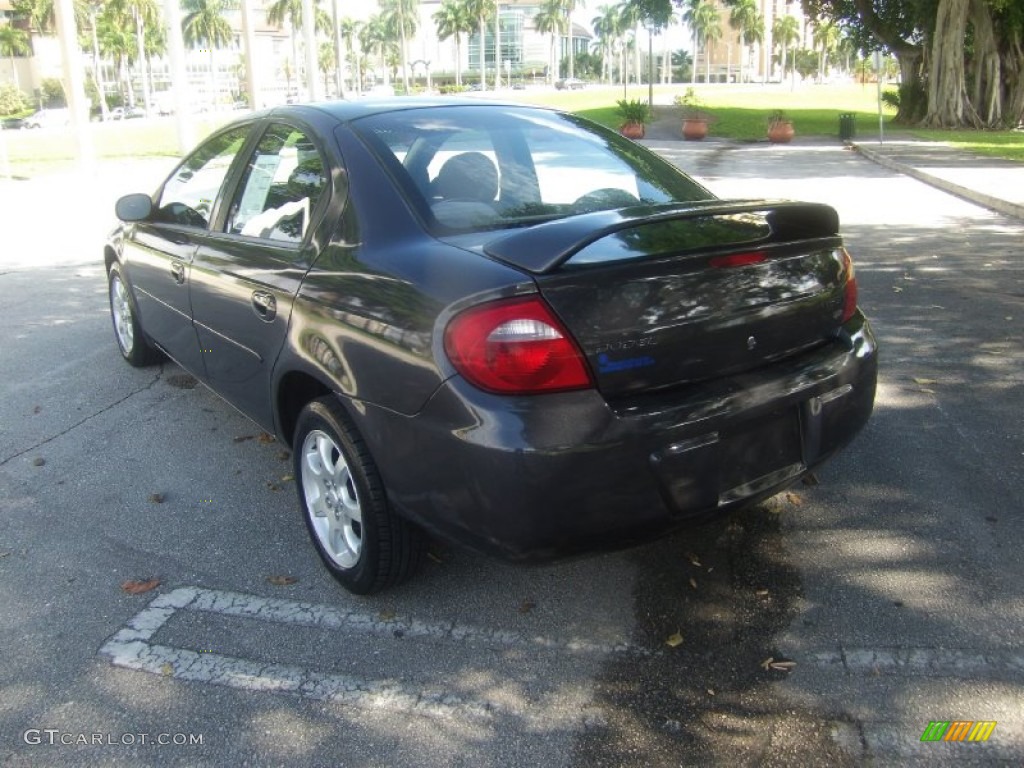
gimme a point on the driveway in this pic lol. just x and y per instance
(827, 627)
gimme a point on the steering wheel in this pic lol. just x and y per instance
(604, 199)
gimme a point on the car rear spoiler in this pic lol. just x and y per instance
(544, 247)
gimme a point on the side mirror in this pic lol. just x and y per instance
(134, 207)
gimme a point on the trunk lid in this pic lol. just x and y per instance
(663, 296)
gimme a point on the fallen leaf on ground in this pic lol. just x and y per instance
(38, 461)
(264, 438)
(272, 486)
(526, 606)
(675, 640)
(156, 498)
(282, 580)
(896, 289)
(141, 586)
(5, 554)
(811, 479)
(925, 382)
(243, 438)
(778, 665)
(762, 593)
(37, 409)
(287, 478)
(711, 691)
(436, 558)
(792, 498)
(166, 670)
(283, 455)
(693, 582)
(386, 614)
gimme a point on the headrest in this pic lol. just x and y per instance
(469, 176)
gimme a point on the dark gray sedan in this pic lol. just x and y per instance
(498, 324)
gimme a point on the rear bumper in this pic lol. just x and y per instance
(538, 478)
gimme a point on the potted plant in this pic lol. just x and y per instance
(634, 114)
(780, 127)
(695, 120)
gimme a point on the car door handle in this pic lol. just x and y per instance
(178, 272)
(265, 305)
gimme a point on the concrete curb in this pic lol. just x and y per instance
(971, 195)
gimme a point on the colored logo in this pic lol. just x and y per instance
(606, 365)
(958, 730)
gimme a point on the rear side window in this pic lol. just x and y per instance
(284, 179)
(474, 168)
(188, 196)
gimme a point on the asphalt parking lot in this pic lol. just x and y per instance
(826, 627)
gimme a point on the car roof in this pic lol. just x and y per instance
(345, 111)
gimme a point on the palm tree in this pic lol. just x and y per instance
(400, 17)
(826, 37)
(349, 32)
(117, 44)
(41, 17)
(630, 16)
(706, 23)
(481, 10)
(204, 25)
(141, 14)
(452, 20)
(785, 32)
(280, 12)
(606, 28)
(569, 6)
(326, 62)
(13, 42)
(746, 19)
(551, 21)
(373, 36)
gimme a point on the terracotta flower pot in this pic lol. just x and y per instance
(632, 130)
(695, 128)
(780, 132)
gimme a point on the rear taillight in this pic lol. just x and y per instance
(850, 288)
(515, 346)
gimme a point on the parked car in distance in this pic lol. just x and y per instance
(569, 84)
(12, 123)
(502, 325)
(127, 113)
(58, 117)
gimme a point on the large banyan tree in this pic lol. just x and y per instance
(961, 61)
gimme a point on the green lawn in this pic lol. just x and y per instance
(35, 152)
(740, 113)
(1006, 144)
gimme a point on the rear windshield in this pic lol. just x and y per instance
(486, 167)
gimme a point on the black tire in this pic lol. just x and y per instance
(128, 333)
(337, 479)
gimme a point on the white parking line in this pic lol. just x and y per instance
(132, 648)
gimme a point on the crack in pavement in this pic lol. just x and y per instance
(82, 421)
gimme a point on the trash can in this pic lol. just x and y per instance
(847, 126)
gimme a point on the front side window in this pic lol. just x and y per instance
(283, 182)
(188, 196)
(477, 168)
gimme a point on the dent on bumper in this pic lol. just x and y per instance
(544, 477)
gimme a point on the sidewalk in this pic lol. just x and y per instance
(988, 181)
